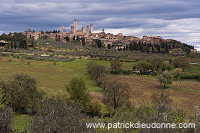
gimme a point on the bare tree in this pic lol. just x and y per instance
(162, 102)
(116, 93)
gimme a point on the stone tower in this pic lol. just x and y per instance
(91, 28)
(63, 29)
(75, 26)
(72, 33)
(87, 31)
(83, 29)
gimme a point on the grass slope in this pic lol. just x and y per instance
(50, 77)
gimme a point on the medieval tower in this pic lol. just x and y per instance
(91, 28)
(75, 26)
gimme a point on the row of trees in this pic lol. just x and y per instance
(16, 40)
(162, 47)
(157, 65)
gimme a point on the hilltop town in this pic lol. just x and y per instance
(87, 36)
(84, 76)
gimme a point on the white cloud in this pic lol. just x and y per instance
(184, 30)
(176, 19)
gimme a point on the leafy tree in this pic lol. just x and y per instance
(20, 40)
(165, 78)
(109, 46)
(157, 64)
(74, 38)
(22, 93)
(116, 66)
(67, 38)
(142, 66)
(78, 91)
(83, 41)
(95, 70)
(99, 43)
(177, 72)
(167, 66)
(181, 62)
(96, 108)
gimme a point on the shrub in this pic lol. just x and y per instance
(177, 73)
(181, 62)
(96, 108)
(116, 66)
(95, 70)
(78, 91)
(126, 72)
(6, 118)
(190, 76)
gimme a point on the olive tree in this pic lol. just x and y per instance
(56, 115)
(165, 78)
(177, 72)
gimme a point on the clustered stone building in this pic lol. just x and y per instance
(87, 32)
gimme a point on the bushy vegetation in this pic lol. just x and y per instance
(21, 93)
(61, 113)
(78, 91)
(39, 57)
(6, 118)
(58, 115)
(116, 96)
(96, 70)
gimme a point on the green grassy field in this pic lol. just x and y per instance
(20, 122)
(193, 69)
(52, 78)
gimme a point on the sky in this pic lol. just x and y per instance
(170, 19)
